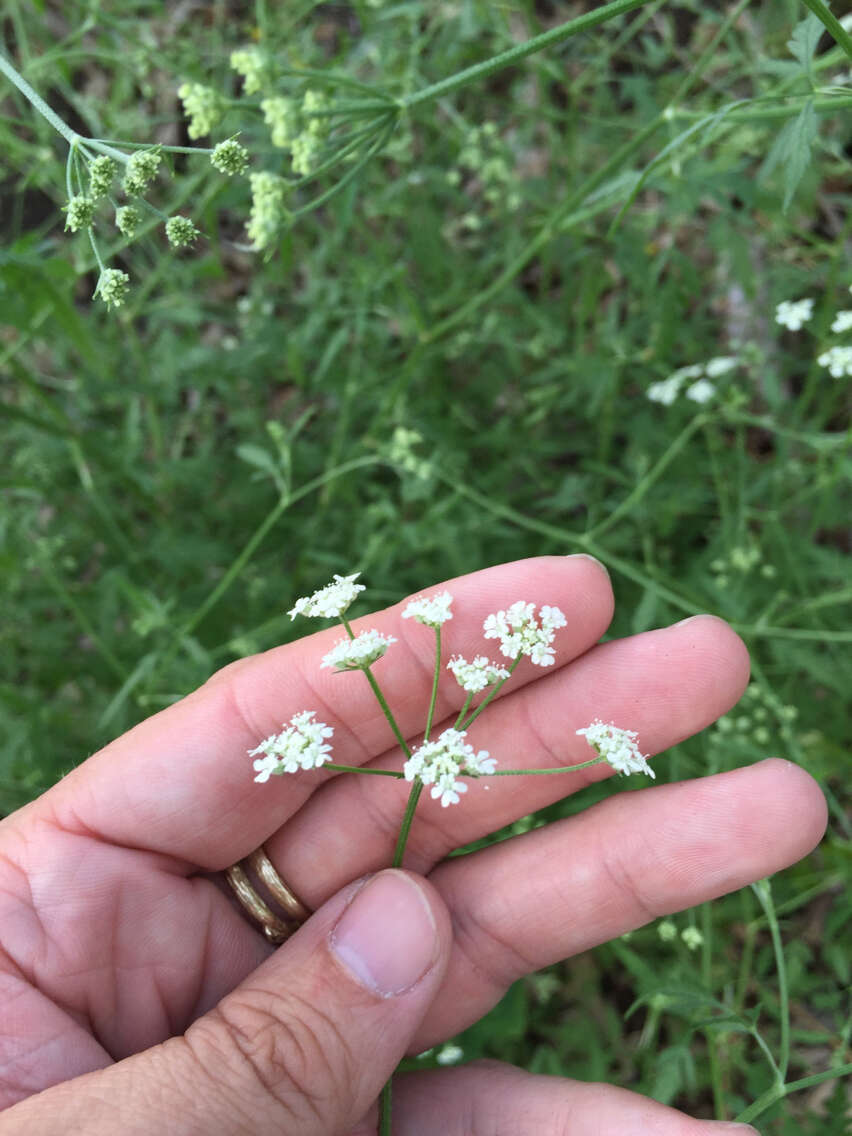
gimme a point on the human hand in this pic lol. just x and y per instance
(117, 934)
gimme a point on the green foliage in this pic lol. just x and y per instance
(177, 470)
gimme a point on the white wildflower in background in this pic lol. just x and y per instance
(329, 602)
(838, 360)
(203, 106)
(440, 764)
(358, 653)
(431, 610)
(667, 930)
(301, 745)
(474, 677)
(281, 116)
(520, 633)
(702, 391)
(616, 746)
(267, 208)
(793, 314)
(665, 391)
(692, 937)
(251, 65)
(449, 1055)
(842, 322)
(715, 368)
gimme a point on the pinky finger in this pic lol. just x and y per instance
(492, 1099)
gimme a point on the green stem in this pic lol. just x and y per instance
(832, 24)
(385, 1110)
(778, 1092)
(14, 76)
(359, 769)
(462, 712)
(490, 695)
(515, 54)
(762, 889)
(380, 698)
(434, 696)
(541, 772)
(405, 827)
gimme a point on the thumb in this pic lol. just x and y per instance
(303, 1045)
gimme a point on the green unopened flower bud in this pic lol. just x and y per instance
(127, 220)
(304, 150)
(282, 118)
(667, 930)
(692, 937)
(101, 175)
(267, 208)
(113, 287)
(180, 231)
(202, 106)
(229, 157)
(252, 66)
(312, 103)
(141, 170)
(79, 212)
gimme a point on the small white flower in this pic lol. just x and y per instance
(838, 360)
(331, 601)
(842, 322)
(300, 745)
(667, 930)
(664, 392)
(520, 633)
(431, 610)
(358, 653)
(449, 1055)
(702, 391)
(692, 937)
(616, 746)
(474, 677)
(721, 365)
(793, 314)
(440, 764)
(687, 374)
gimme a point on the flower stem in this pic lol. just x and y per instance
(491, 694)
(762, 889)
(358, 769)
(380, 698)
(35, 99)
(405, 827)
(431, 712)
(541, 772)
(515, 54)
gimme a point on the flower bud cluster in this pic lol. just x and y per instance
(203, 106)
(180, 231)
(268, 210)
(141, 170)
(79, 212)
(229, 157)
(101, 176)
(112, 287)
(251, 65)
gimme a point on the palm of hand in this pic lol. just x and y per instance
(116, 936)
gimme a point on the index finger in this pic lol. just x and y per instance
(180, 783)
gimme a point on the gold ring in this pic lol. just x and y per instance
(275, 927)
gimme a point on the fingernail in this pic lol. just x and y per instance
(731, 1127)
(386, 937)
(594, 560)
(689, 618)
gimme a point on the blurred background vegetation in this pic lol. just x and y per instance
(444, 367)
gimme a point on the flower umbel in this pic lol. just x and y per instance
(300, 745)
(230, 157)
(112, 287)
(141, 171)
(792, 314)
(357, 654)
(442, 762)
(180, 231)
(331, 601)
(431, 610)
(520, 633)
(127, 220)
(101, 175)
(267, 208)
(474, 677)
(202, 106)
(616, 746)
(79, 212)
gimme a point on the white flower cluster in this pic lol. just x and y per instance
(358, 653)
(616, 746)
(301, 745)
(329, 602)
(520, 633)
(474, 677)
(440, 763)
(698, 375)
(838, 360)
(793, 314)
(842, 321)
(431, 610)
